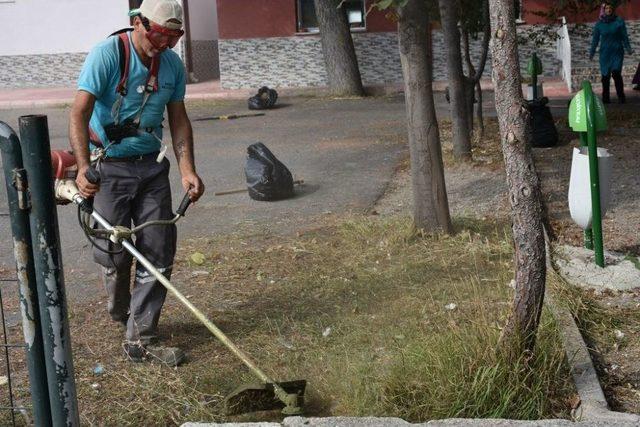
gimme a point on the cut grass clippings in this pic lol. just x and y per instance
(380, 321)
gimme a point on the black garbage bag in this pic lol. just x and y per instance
(544, 129)
(268, 178)
(265, 98)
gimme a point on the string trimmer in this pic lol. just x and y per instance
(267, 395)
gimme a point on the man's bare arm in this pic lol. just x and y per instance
(182, 140)
(79, 138)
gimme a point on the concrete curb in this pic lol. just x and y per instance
(593, 404)
(397, 422)
(61, 96)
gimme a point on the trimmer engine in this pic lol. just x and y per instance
(64, 167)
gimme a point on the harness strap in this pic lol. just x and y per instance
(150, 87)
(93, 137)
(124, 53)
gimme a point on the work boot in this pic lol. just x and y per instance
(137, 352)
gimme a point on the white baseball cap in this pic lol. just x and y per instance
(162, 12)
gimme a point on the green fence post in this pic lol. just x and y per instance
(17, 199)
(596, 222)
(34, 135)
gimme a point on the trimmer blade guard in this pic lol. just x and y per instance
(261, 397)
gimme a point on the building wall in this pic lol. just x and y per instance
(203, 19)
(629, 11)
(203, 23)
(45, 27)
(52, 52)
(48, 41)
(297, 61)
(252, 19)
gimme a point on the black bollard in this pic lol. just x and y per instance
(18, 202)
(43, 218)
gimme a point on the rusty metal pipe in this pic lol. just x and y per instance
(15, 180)
(43, 218)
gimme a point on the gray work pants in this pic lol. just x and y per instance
(136, 192)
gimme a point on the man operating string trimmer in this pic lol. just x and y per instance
(123, 88)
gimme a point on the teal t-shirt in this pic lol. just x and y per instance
(100, 76)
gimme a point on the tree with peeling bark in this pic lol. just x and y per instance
(339, 53)
(461, 129)
(430, 204)
(519, 334)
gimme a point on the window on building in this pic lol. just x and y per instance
(308, 22)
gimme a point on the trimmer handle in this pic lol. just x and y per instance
(186, 201)
(92, 175)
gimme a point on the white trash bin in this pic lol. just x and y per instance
(580, 185)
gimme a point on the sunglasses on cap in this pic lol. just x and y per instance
(161, 37)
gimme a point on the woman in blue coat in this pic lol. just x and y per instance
(611, 33)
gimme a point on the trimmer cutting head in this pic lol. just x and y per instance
(263, 397)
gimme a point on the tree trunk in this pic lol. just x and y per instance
(340, 60)
(479, 113)
(430, 205)
(469, 83)
(475, 74)
(459, 118)
(524, 186)
(486, 36)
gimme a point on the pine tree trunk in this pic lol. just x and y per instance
(343, 74)
(430, 205)
(457, 87)
(524, 186)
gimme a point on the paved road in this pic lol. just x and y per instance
(345, 150)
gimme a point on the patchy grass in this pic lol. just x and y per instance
(595, 321)
(610, 324)
(379, 320)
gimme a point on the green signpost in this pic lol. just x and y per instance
(587, 116)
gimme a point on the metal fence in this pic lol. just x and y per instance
(8, 404)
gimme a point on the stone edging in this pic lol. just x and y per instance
(593, 404)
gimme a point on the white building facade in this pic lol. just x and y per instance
(44, 42)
